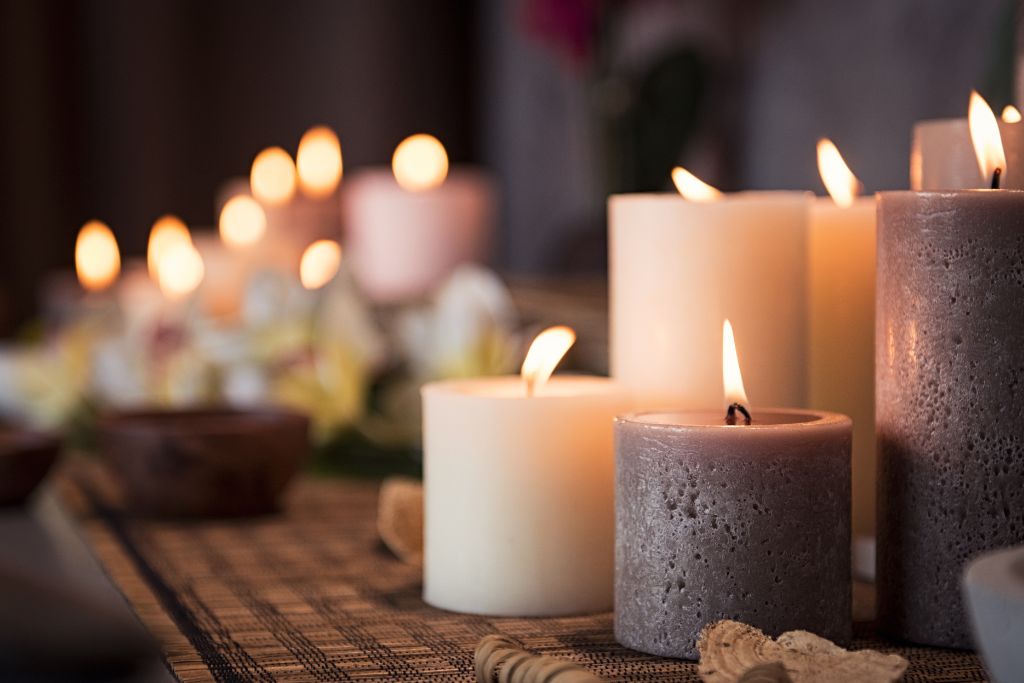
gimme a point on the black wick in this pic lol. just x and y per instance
(730, 414)
(995, 178)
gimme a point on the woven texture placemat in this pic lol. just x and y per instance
(312, 595)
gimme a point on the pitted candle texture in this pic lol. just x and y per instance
(743, 523)
(949, 366)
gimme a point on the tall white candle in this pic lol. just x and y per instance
(519, 495)
(841, 310)
(678, 267)
(407, 229)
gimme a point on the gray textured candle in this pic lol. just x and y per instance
(745, 522)
(949, 373)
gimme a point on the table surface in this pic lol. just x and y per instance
(311, 594)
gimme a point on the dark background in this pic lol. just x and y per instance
(124, 110)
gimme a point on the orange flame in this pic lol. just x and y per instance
(97, 258)
(320, 263)
(420, 163)
(988, 145)
(318, 162)
(272, 178)
(732, 379)
(839, 180)
(545, 353)
(242, 222)
(692, 187)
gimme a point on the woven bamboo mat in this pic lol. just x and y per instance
(312, 595)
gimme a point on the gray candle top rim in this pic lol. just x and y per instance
(764, 420)
(976, 194)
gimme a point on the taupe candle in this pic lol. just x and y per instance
(950, 399)
(715, 521)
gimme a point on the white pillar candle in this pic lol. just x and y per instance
(678, 267)
(943, 158)
(519, 495)
(841, 317)
(841, 289)
(405, 236)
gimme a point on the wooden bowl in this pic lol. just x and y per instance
(201, 463)
(25, 458)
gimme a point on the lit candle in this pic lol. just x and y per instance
(949, 369)
(519, 487)
(320, 263)
(841, 323)
(942, 156)
(723, 517)
(678, 263)
(406, 230)
(97, 258)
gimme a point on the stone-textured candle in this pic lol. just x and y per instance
(519, 495)
(950, 399)
(745, 522)
(942, 156)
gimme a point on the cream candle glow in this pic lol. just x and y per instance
(718, 517)
(408, 228)
(942, 156)
(841, 320)
(519, 488)
(678, 265)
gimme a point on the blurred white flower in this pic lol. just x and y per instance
(469, 330)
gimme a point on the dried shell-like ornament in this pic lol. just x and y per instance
(499, 659)
(400, 518)
(731, 652)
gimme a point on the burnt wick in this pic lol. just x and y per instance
(730, 414)
(996, 174)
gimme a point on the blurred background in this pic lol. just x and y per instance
(124, 110)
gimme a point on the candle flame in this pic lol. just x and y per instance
(180, 270)
(320, 263)
(1011, 114)
(839, 180)
(242, 222)
(420, 163)
(692, 187)
(318, 162)
(988, 145)
(97, 259)
(545, 353)
(166, 232)
(732, 379)
(272, 178)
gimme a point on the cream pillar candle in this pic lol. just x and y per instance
(679, 266)
(519, 495)
(942, 156)
(406, 230)
(841, 315)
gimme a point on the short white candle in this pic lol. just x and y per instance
(678, 267)
(519, 509)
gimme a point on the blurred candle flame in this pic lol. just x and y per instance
(1011, 114)
(180, 270)
(242, 222)
(167, 231)
(732, 379)
(272, 178)
(420, 163)
(545, 353)
(839, 180)
(320, 263)
(692, 187)
(318, 162)
(97, 258)
(988, 145)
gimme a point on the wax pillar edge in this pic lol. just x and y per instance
(949, 400)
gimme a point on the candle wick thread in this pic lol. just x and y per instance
(996, 174)
(730, 414)
(529, 386)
